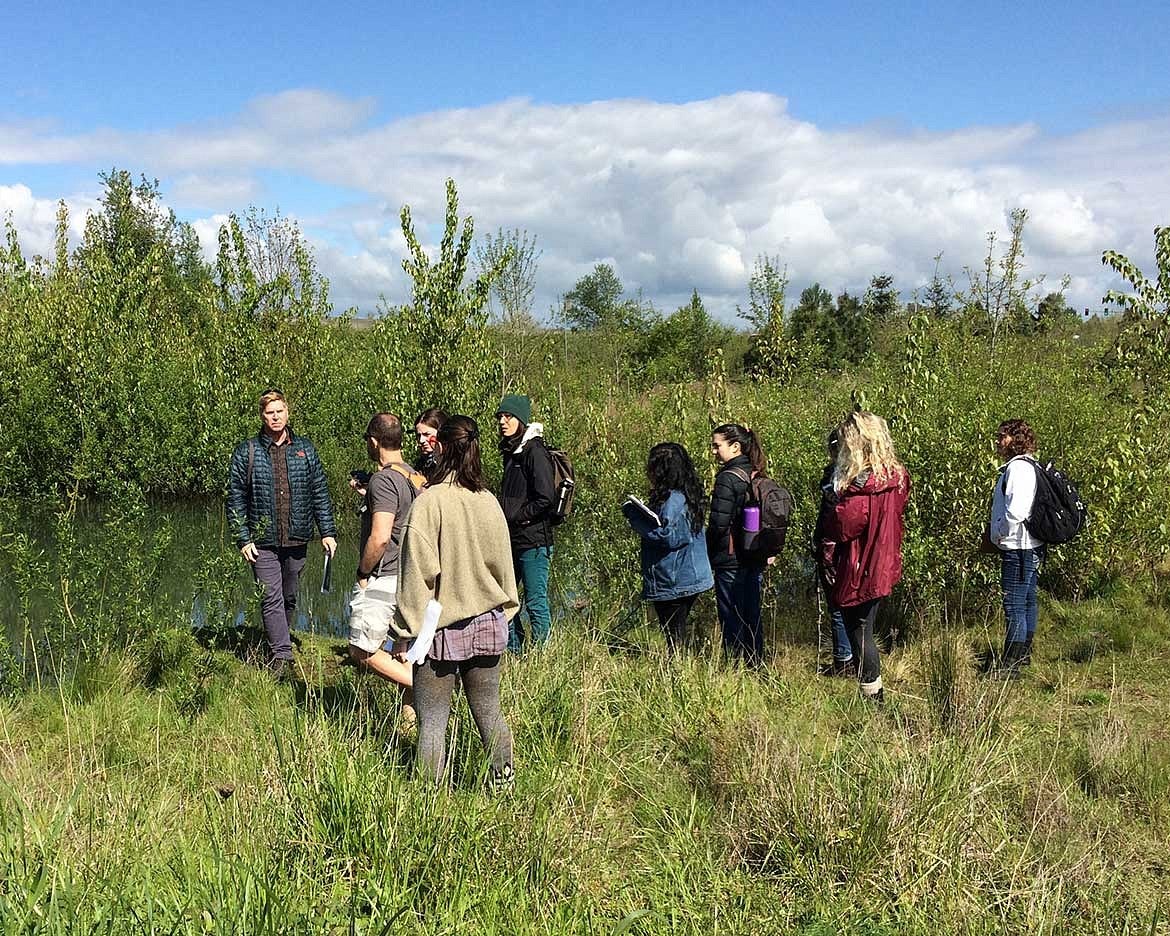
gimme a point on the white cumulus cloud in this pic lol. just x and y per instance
(676, 196)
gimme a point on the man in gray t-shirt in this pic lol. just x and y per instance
(387, 494)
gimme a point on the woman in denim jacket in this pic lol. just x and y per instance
(675, 569)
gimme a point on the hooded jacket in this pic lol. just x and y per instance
(251, 495)
(528, 491)
(866, 526)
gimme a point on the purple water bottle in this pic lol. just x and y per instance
(751, 527)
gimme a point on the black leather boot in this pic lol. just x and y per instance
(1026, 659)
(1010, 661)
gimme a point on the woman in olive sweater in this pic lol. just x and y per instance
(457, 552)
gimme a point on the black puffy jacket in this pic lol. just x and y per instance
(528, 492)
(251, 502)
(725, 521)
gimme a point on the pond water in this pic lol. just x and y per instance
(199, 548)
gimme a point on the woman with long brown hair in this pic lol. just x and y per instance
(456, 576)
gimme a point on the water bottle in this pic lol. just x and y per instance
(751, 526)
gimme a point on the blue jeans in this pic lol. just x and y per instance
(532, 572)
(737, 596)
(1020, 577)
(842, 651)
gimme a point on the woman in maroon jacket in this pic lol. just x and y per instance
(865, 528)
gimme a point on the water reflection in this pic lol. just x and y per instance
(198, 534)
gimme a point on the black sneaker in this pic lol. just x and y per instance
(846, 669)
(280, 669)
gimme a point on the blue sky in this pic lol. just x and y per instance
(570, 120)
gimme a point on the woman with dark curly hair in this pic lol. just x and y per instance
(675, 570)
(1020, 552)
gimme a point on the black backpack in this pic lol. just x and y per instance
(775, 505)
(1058, 513)
(563, 483)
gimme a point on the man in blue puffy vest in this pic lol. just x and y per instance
(276, 493)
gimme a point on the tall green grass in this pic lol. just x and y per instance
(651, 796)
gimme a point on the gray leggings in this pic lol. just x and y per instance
(434, 685)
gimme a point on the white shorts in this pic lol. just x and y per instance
(370, 612)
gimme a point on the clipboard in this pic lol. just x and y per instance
(327, 575)
(643, 509)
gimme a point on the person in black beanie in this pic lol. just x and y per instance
(527, 496)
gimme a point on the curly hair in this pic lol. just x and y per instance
(865, 446)
(669, 468)
(1023, 438)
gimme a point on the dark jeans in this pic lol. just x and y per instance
(674, 616)
(278, 570)
(859, 625)
(1019, 576)
(737, 595)
(531, 567)
(434, 685)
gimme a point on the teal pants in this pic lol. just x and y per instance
(532, 573)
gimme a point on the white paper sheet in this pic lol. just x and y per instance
(422, 643)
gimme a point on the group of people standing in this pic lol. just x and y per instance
(442, 559)
(699, 543)
(695, 543)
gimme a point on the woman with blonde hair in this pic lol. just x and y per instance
(871, 487)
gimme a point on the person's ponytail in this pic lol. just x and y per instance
(749, 445)
(458, 454)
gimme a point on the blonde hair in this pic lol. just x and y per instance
(865, 446)
(269, 396)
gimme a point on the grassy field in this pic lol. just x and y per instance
(179, 790)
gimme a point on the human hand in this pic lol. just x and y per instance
(329, 544)
(250, 552)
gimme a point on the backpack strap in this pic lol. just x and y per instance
(402, 469)
(740, 473)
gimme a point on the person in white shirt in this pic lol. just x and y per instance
(1020, 552)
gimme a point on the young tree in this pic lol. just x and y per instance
(771, 353)
(856, 328)
(594, 301)
(439, 343)
(267, 268)
(1000, 289)
(516, 256)
(940, 293)
(813, 326)
(680, 346)
(881, 299)
(1141, 353)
